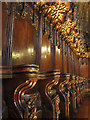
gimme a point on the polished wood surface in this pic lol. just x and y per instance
(61, 56)
(69, 53)
(58, 59)
(7, 32)
(72, 64)
(20, 74)
(25, 51)
(83, 112)
(5, 72)
(32, 49)
(0, 33)
(24, 47)
(84, 65)
(47, 57)
(48, 80)
(65, 58)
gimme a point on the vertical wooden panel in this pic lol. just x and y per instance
(65, 57)
(0, 58)
(39, 42)
(61, 65)
(23, 50)
(79, 66)
(46, 54)
(76, 65)
(62, 48)
(72, 64)
(7, 29)
(53, 49)
(75, 62)
(0, 34)
(88, 67)
(84, 68)
(58, 61)
(4, 18)
(47, 51)
(69, 60)
(58, 53)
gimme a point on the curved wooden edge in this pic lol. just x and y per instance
(5, 72)
(26, 101)
(45, 75)
(10, 71)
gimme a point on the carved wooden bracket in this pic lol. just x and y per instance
(73, 92)
(66, 94)
(82, 87)
(52, 95)
(27, 99)
(77, 93)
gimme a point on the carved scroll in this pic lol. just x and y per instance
(82, 87)
(77, 93)
(27, 100)
(65, 93)
(53, 97)
(73, 92)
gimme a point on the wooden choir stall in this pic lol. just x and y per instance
(44, 61)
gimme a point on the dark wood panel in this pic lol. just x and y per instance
(4, 18)
(62, 58)
(84, 68)
(88, 67)
(77, 66)
(57, 44)
(24, 48)
(46, 54)
(58, 61)
(83, 112)
(72, 64)
(65, 58)
(0, 33)
(69, 60)
(7, 31)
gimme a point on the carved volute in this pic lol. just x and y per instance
(52, 95)
(63, 89)
(27, 98)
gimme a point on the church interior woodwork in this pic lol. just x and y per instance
(45, 59)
